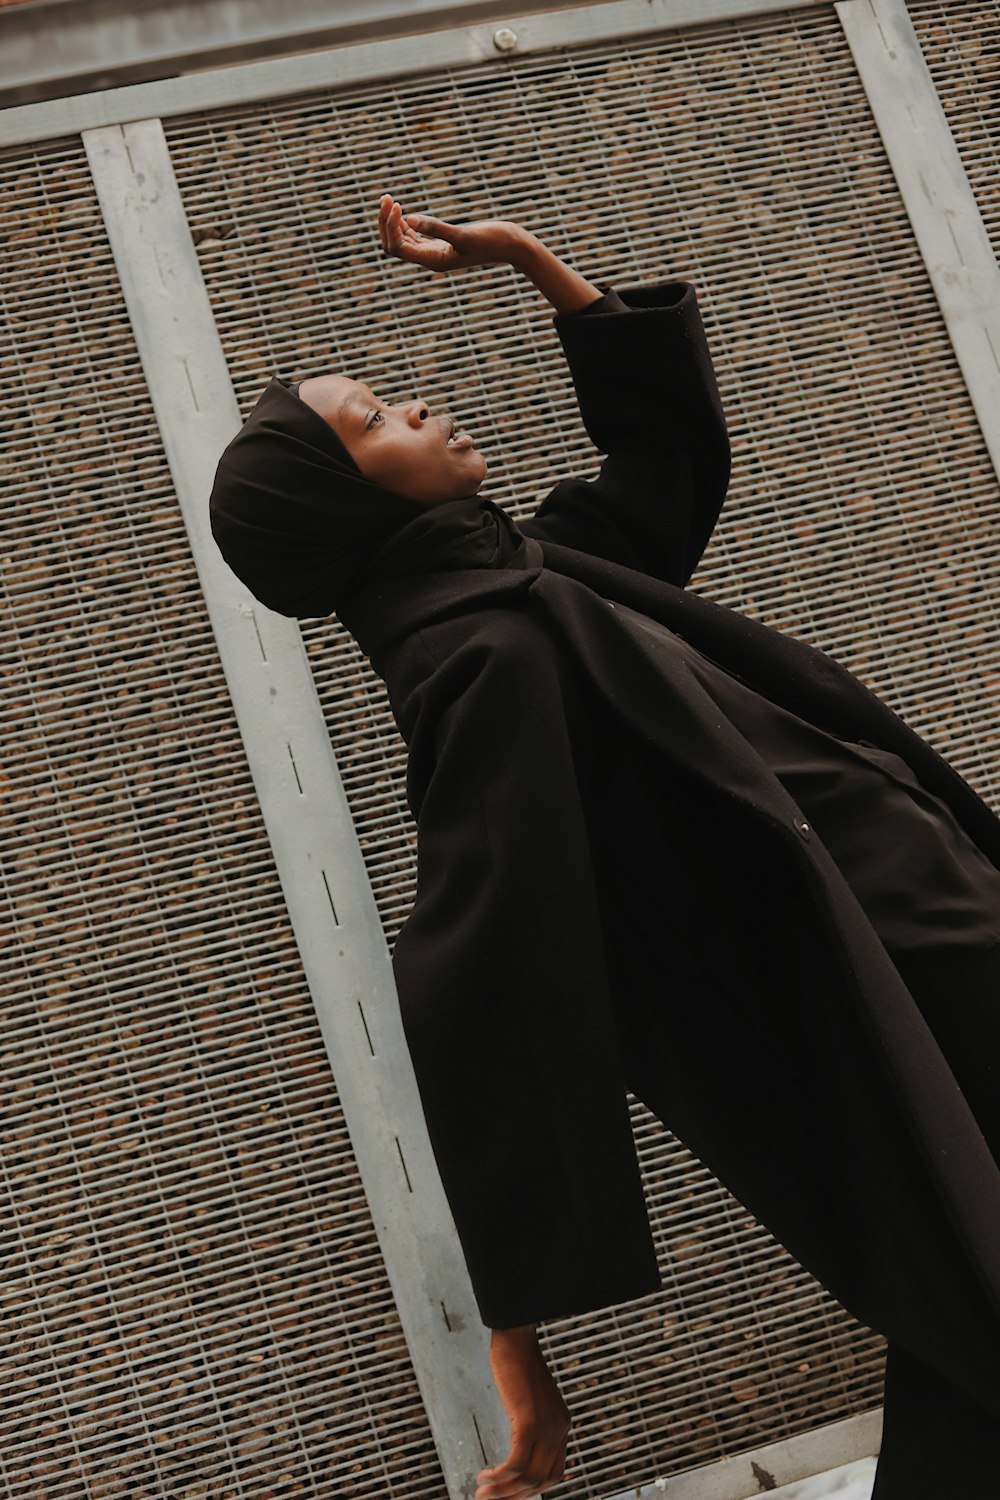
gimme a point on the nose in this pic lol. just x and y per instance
(418, 412)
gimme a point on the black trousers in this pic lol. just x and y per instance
(938, 1442)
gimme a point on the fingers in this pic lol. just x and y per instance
(384, 205)
(397, 237)
(428, 225)
(417, 237)
(391, 224)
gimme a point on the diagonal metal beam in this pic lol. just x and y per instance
(341, 65)
(61, 47)
(936, 193)
(317, 855)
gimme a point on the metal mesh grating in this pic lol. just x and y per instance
(201, 1329)
(862, 517)
(193, 1297)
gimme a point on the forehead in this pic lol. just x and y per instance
(331, 388)
(331, 394)
(345, 385)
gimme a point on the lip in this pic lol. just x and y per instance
(463, 441)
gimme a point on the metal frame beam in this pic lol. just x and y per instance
(319, 861)
(338, 67)
(936, 193)
(59, 47)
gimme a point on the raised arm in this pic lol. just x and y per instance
(646, 389)
(648, 397)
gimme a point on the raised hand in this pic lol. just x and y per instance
(430, 242)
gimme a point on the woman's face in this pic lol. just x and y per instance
(403, 448)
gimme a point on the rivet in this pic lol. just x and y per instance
(505, 40)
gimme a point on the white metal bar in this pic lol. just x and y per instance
(72, 46)
(936, 192)
(765, 1468)
(319, 862)
(369, 61)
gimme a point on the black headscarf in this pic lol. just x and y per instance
(300, 525)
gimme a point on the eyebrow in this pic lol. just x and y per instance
(353, 401)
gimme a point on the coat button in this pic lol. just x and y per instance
(803, 828)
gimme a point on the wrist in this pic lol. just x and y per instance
(524, 247)
(565, 289)
(527, 1334)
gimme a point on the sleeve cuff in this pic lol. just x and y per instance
(609, 301)
(661, 296)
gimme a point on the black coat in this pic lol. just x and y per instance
(804, 1074)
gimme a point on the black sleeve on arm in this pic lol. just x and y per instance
(648, 397)
(504, 995)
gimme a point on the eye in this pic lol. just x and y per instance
(378, 416)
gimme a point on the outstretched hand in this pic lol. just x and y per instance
(430, 242)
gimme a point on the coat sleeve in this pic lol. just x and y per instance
(504, 999)
(648, 397)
